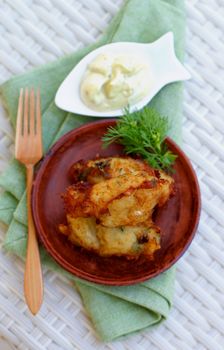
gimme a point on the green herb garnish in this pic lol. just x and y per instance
(143, 133)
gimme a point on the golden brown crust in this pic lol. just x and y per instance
(109, 207)
(100, 169)
(85, 199)
(129, 241)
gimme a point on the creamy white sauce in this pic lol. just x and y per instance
(115, 81)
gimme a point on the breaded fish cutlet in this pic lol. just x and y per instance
(109, 207)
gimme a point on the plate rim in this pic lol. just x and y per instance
(56, 256)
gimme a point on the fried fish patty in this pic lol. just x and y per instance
(130, 241)
(85, 199)
(97, 170)
(110, 205)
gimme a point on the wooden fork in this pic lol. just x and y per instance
(28, 150)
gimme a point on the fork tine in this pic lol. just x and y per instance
(38, 118)
(32, 113)
(25, 114)
(19, 121)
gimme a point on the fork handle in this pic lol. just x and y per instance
(33, 280)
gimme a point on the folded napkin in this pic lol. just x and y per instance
(115, 311)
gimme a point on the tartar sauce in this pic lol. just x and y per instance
(115, 81)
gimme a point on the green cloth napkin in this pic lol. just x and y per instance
(115, 311)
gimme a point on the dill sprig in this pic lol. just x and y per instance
(143, 133)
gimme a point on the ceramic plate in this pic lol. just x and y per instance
(178, 219)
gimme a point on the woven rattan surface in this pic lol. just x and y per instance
(37, 31)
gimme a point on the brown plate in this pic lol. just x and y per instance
(178, 219)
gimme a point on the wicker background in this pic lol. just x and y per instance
(33, 32)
